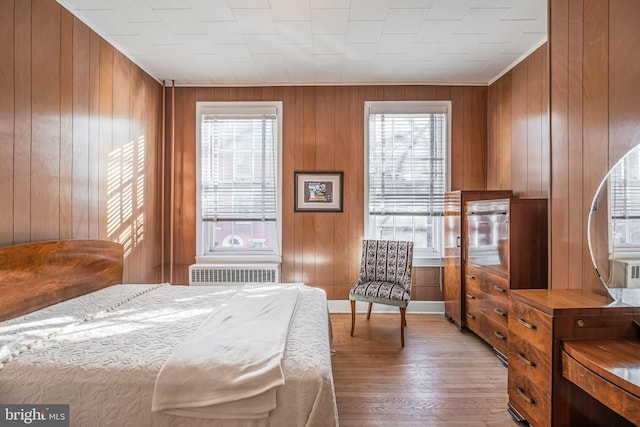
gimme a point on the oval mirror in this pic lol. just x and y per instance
(614, 226)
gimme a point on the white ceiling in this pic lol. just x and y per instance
(318, 42)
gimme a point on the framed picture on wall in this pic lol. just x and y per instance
(317, 192)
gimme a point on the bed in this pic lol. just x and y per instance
(71, 333)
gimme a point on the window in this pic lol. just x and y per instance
(407, 174)
(239, 181)
(625, 207)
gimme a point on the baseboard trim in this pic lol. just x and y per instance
(414, 307)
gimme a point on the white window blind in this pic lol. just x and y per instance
(407, 163)
(239, 166)
(625, 188)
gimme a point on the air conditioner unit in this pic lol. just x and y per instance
(212, 274)
(625, 273)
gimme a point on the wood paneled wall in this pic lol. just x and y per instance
(518, 128)
(79, 137)
(595, 119)
(324, 130)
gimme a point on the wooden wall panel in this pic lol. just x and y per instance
(323, 129)
(63, 155)
(341, 127)
(105, 129)
(45, 113)
(94, 136)
(559, 196)
(66, 120)
(519, 141)
(575, 169)
(79, 169)
(594, 110)
(22, 125)
(7, 114)
(518, 128)
(536, 114)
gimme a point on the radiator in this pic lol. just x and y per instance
(206, 274)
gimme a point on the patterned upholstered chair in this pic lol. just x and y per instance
(385, 278)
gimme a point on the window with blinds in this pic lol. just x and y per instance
(407, 173)
(624, 191)
(238, 178)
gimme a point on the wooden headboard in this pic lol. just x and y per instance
(36, 275)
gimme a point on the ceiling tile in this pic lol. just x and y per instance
(287, 10)
(224, 32)
(364, 31)
(329, 44)
(294, 32)
(255, 21)
(369, 10)
(412, 4)
(213, 11)
(249, 4)
(329, 21)
(329, 4)
(263, 43)
(404, 21)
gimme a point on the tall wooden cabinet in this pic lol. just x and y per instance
(505, 248)
(455, 238)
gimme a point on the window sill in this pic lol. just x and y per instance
(428, 262)
(238, 259)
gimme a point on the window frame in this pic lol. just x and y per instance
(203, 243)
(422, 257)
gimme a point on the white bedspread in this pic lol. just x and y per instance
(101, 354)
(231, 366)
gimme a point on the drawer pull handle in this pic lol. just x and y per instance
(499, 335)
(470, 276)
(499, 312)
(499, 289)
(526, 361)
(469, 295)
(470, 315)
(529, 399)
(526, 324)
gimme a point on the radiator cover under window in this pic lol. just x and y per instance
(204, 274)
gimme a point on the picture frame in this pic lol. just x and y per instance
(318, 191)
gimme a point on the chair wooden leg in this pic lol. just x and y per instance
(369, 311)
(403, 322)
(353, 316)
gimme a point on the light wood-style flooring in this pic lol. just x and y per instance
(441, 378)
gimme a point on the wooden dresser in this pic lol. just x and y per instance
(540, 321)
(494, 265)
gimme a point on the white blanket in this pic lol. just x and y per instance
(232, 366)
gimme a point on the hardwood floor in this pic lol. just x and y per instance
(442, 377)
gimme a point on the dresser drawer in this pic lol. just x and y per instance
(496, 308)
(531, 325)
(472, 289)
(531, 401)
(496, 334)
(488, 283)
(526, 360)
